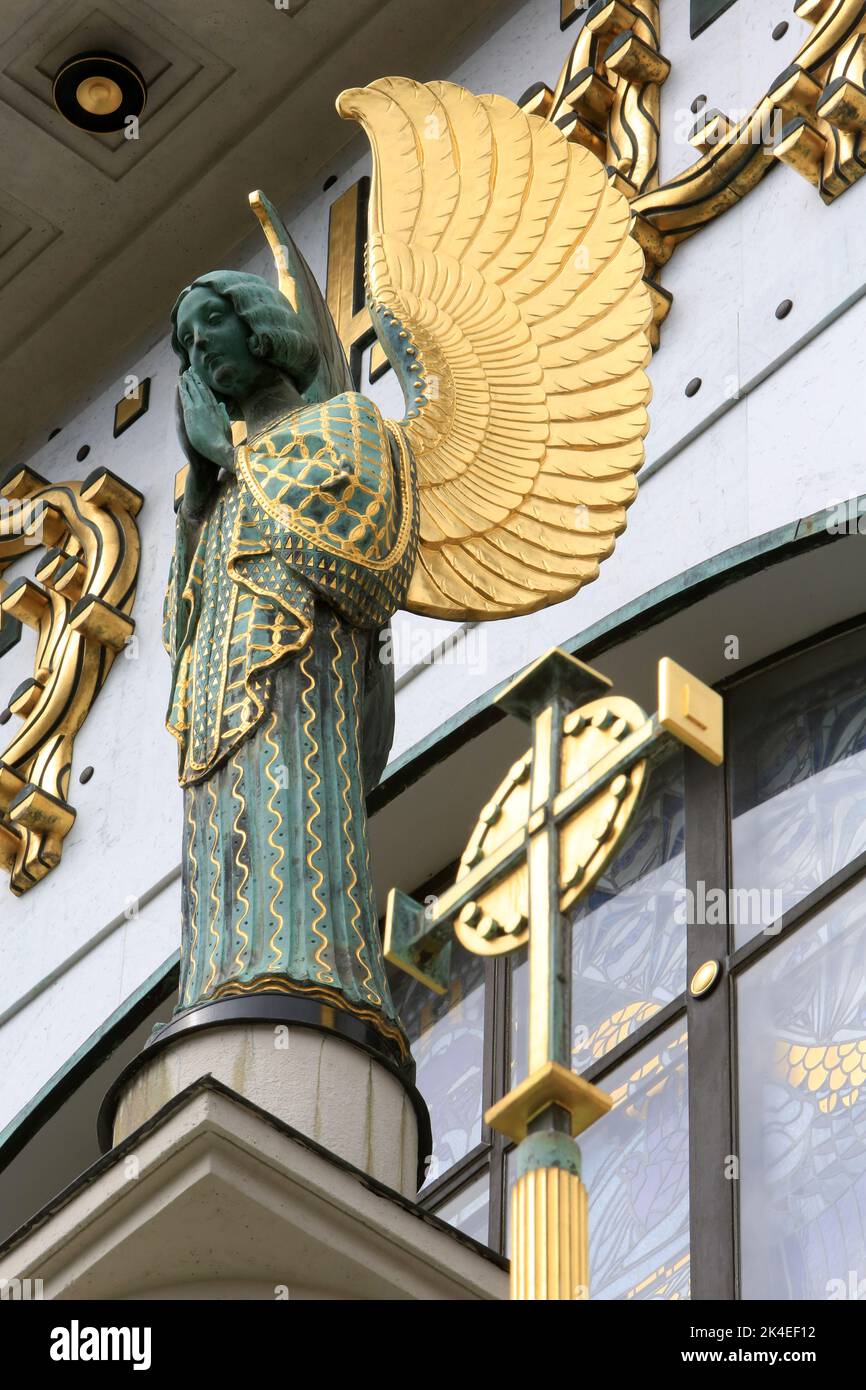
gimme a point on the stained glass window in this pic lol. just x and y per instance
(798, 778)
(468, 1209)
(446, 1032)
(628, 936)
(802, 1047)
(636, 1171)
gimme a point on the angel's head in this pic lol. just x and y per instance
(239, 334)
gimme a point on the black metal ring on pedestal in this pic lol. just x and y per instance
(276, 1008)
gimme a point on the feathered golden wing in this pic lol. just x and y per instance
(507, 292)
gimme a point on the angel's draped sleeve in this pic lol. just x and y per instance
(323, 506)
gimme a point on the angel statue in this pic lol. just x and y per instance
(507, 292)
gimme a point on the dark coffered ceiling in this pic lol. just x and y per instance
(97, 232)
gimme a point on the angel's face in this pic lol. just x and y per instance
(216, 342)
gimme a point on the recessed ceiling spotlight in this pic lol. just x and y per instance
(99, 92)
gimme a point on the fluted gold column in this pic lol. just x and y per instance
(550, 1236)
(549, 1206)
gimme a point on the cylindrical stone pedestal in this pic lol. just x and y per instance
(330, 1090)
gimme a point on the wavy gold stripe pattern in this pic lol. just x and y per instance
(189, 798)
(351, 847)
(281, 984)
(266, 809)
(324, 973)
(214, 889)
(273, 871)
(241, 867)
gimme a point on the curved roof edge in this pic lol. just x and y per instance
(85, 1059)
(728, 567)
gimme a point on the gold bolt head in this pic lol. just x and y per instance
(704, 978)
(98, 95)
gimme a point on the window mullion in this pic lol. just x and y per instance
(497, 1032)
(712, 1188)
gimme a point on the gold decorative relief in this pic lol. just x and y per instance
(608, 99)
(813, 119)
(347, 238)
(496, 920)
(79, 606)
(807, 120)
(609, 91)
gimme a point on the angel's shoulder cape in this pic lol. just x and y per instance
(323, 505)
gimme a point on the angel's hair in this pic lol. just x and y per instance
(272, 323)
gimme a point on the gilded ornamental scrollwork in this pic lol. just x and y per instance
(607, 98)
(813, 118)
(78, 604)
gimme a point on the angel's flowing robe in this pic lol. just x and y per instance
(283, 708)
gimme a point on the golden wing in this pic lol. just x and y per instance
(507, 292)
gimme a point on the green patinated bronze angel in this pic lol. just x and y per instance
(506, 290)
(292, 552)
